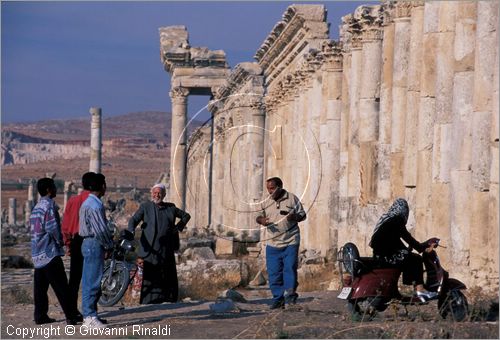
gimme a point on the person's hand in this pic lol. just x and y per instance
(263, 220)
(292, 217)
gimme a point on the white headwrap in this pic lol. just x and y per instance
(159, 185)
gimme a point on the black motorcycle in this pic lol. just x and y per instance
(117, 272)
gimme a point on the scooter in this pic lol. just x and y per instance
(370, 286)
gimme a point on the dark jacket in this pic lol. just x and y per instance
(386, 240)
(160, 233)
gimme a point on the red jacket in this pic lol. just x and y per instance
(70, 223)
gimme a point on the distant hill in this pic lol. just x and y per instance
(136, 148)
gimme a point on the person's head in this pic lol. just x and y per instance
(47, 187)
(274, 186)
(97, 184)
(158, 192)
(86, 180)
(399, 208)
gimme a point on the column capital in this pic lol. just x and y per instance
(179, 94)
(332, 54)
(402, 9)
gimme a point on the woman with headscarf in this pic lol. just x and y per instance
(388, 248)
(159, 241)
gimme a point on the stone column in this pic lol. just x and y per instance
(95, 140)
(32, 191)
(413, 96)
(369, 107)
(426, 117)
(12, 211)
(28, 206)
(178, 146)
(402, 28)
(483, 125)
(67, 193)
(386, 83)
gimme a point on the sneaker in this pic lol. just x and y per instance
(426, 295)
(93, 322)
(278, 304)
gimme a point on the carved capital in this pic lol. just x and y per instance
(332, 54)
(402, 9)
(179, 94)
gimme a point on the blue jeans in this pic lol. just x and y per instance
(93, 265)
(282, 270)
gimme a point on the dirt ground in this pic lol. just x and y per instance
(316, 315)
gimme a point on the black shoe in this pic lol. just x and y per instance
(78, 317)
(291, 299)
(45, 320)
(71, 322)
(278, 304)
(104, 321)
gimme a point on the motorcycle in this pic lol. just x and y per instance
(116, 276)
(370, 286)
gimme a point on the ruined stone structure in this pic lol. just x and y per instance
(405, 104)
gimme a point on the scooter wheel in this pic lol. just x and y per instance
(453, 305)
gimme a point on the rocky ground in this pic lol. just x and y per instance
(318, 314)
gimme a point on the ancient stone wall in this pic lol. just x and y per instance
(405, 104)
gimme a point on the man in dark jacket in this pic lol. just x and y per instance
(159, 241)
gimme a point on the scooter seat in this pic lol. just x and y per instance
(371, 263)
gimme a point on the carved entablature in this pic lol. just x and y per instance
(300, 24)
(179, 94)
(175, 51)
(351, 33)
(332, 54)
(402, 9)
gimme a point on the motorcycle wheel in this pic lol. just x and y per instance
(453, 304)
(114, 288)
(350, 255)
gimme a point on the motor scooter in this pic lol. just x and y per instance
(370, 285)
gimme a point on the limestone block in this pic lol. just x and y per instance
(480, 232)
(486, 41)
(425, 135)
(416, 52)
(333, 85)
(460, 212)
(444, 77)
(342, 174)
(397, 165)
(447, 16)
(481, 150)
(368, 170)
(410, 159)
(424, 179)
(398, 120)
(431, 16)
(401, 53)
(371, 64)
(441, 157)
(465, 36)
(353, 178)
(439, 225)
(368, 115)
(463, 84)
(384, 172)
(494, 165)
(385, 119)
(333, 109)
(428, 80)
(493, 228)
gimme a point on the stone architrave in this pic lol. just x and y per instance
(95, 140)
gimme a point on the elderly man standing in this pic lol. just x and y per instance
(159, 241)
(281, 213)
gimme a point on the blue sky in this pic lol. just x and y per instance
(60, 58)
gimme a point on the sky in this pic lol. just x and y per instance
(60, 58)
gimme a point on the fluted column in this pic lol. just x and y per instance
(402, 28)
(28, 206)
(386, 83)
(95, 140)
(178, 147)
(369, 107)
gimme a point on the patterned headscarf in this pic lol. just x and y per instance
(398, 208)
